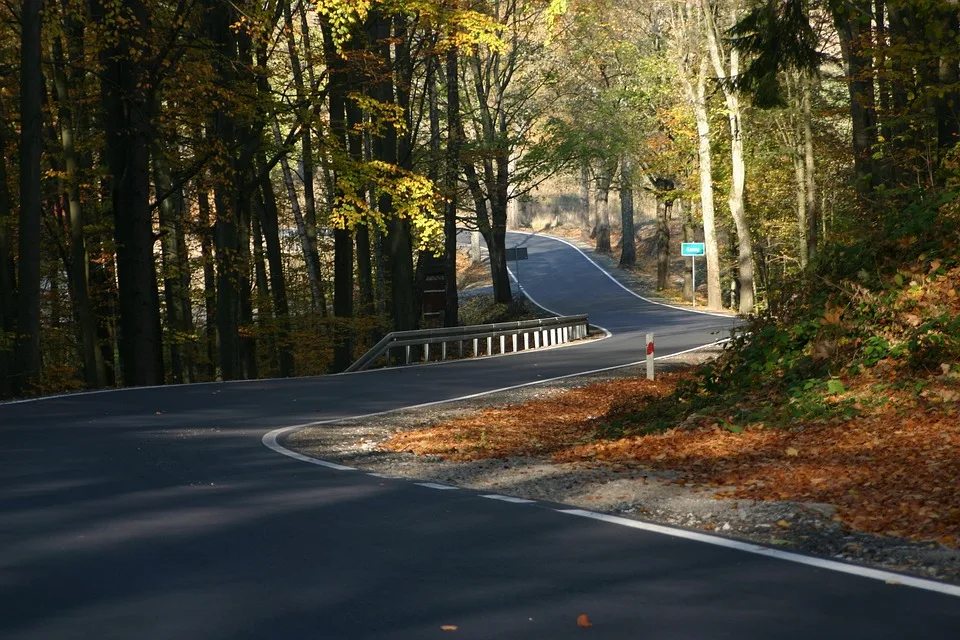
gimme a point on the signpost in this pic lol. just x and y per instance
(517, 254)
(693, 249)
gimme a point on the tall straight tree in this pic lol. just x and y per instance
(7, 275)
(342, 239)
(125, 88)
(451, 313)
(726, 65)
(31, 144)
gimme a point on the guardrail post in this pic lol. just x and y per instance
(408, 354)
(513, 339)
(503, 344)
(489, 345)
(475, 346)
(443, 350)
(536, 339)
(426, 352)
(649, 356)
(526, 341)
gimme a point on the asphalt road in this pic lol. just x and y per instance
(158, 513)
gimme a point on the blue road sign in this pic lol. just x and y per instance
(692, 249)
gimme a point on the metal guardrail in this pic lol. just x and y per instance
(521, 335)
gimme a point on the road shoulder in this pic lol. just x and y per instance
(623, 490)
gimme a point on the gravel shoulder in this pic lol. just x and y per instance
(626, 490)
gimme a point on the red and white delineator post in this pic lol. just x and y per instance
(649, 356)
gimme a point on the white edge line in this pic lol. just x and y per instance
(617, 282)
(434, 485)
(821, 563)
(270, 441)
(513, 499)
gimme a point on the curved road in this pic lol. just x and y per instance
(157, 513)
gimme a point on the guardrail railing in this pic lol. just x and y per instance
(476, 340)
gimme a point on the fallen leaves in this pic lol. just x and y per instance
(892, 470)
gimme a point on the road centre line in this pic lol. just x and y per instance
(434, 485)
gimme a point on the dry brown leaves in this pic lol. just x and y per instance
(893, 470)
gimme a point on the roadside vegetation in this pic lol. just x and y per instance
(845, 391)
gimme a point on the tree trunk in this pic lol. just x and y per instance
(628, 243)
(663, 245)
(852, 21)
(800, 190)
(311, 255)
(94, 372)
(601, 200)
(265, 325)
(586, 217)
(697, 97)
(342, 239)
(209, 275)
(451, 314)
(31, 145)
(8, 304)
(813, 201)
(397, 243)
(278, 287)
(126, 106)
(726, 65)
(172, 211)
(309, 220)
(689, 235)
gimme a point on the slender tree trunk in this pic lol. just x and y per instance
(342, 240)
(602, 207)
(697, 97)
(126, 103)
(265, 324)
(209, 275)
(852, 21)
(726, 64)
(103, 282)
(309, 220)
(311, 255)
(172, 211)
(813, 201)
(586, 215)
(31, 145)
(397, 243)
(7, 277)
(628, 242)
(278, 287)
(663, 244)
(93, 367)
(800, 190)
(451, 315)
(689, 235)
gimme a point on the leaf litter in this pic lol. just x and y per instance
(890, 470)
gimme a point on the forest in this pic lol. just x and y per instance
(196, 190)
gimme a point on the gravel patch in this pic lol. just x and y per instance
(626, 490)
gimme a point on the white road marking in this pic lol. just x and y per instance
(513, 499)
(384, 476)
(434, 485)
(822, 563)
(617, 282)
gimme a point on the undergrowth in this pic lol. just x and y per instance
(884, 307)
